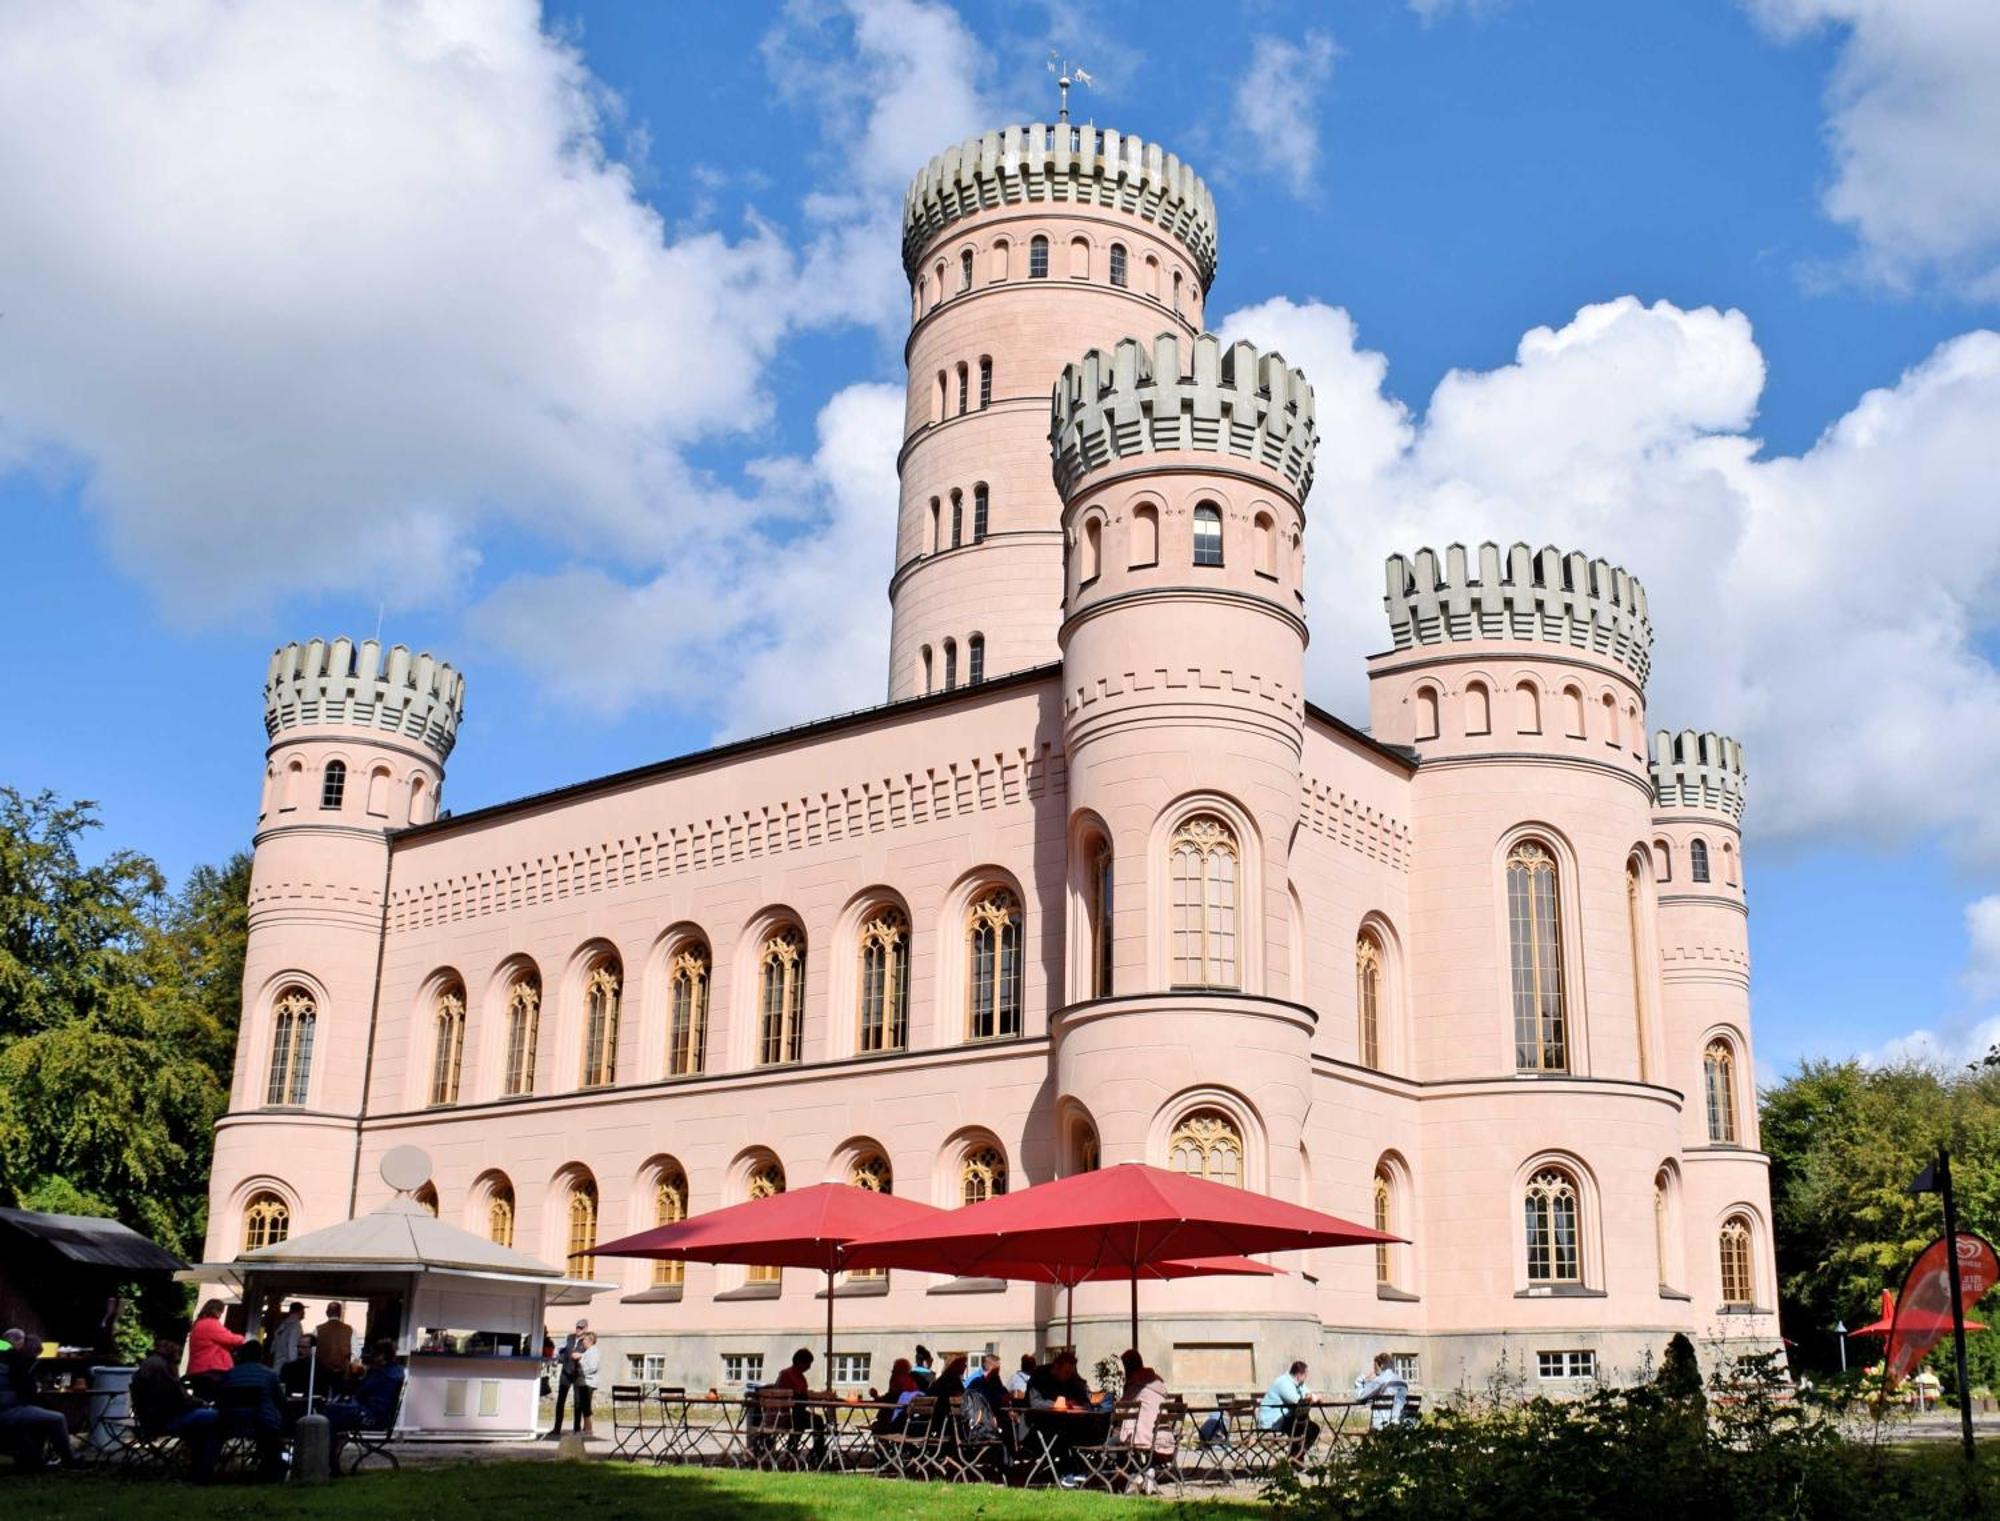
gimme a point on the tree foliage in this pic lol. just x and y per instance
(1845, 1141)
(118, 1011)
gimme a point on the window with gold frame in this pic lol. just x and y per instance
(1207, 1144)
(781, 991)
(1718, 1071)
(1099, 908)
(500, 1214)
(1550, 1215)
(1385, 1198)
(600, 1037)
(1368, 998)
(1205, 863)
(294, 1017)
(884, 1014)
(670, 1207)
(1662, 1221)
(448, 1051)
(1738, 1287)
(1534, 924)
(982, 1175)
(267, 1221)
(767, 1181)
(870, 1170)
(582, 1211)
(687, 1011)
(993, 958)
(524, 1019)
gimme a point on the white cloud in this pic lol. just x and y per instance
(1826, 608)
(1982, 930)
(1277, 104)
(1913, 116)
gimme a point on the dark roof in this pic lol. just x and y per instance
(88, 1241)
(1401, 755)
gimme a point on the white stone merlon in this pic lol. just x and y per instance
(1235, 401)
(1542, 595)
(345, 684)
(1698, 770)
(1080, 165)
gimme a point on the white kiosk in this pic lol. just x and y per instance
(466, 1315)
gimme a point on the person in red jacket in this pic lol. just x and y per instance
(210, 1344)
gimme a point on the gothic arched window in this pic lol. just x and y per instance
(1534, 937)
(1204, 870)
(500, 1214)
(600, 1038)
(333, 785)
(1734, 1245)
(993, 957)
(885, 981)
(1207, 1144)
(982, 1175)
(687, 1011)
(767, 1181)
(448, 1049)
(870, 1171)
(582, 1207)
(267, 1220)
(781, 997)
(1385, 1222)
(670, 1207)
(1550, 1219)
(524, 1020)
(1718, 1071)
(1368, 997)
(294, 1016)
(1099, 910)
(1635, 927)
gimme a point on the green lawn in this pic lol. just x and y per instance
(585, 1492)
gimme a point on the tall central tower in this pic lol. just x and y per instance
(1024, 247)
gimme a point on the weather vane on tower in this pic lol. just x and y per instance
(1065, 76)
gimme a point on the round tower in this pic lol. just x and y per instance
(1022, 247)
(357, 749)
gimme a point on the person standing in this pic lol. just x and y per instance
(566, 1376)
(333, 1350)
(589, 1366)
(210, 1345)
(288, 1339)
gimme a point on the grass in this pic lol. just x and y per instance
(596, 1491)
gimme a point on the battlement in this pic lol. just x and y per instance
(1082, 165)
(345, 684)
(1231, 401)
(1705, 770)
(1542, 595)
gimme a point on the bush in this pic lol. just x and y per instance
(1750, 1451)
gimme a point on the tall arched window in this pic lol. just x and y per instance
(1099, 904)
(600, 1038)
(975, 660)
(1207, 1144)
(687, 1011)
(1534, 932)
(333, 784)
(985, 381)
(1038, 258)
(1635, 927)
(1718, 1070)
(957, 518)
(1093, 551)
(1698, 860)
(998, 263)
(951, 665)
(1086, 1152)
(1663, 861)
(582, 1229)
(1264, 538)
(767, 1181)
(781, 995)
(1152, 278)
(1208, 534)
(267, 1220)
(870, 1171)
(1662, 1219)
(1385, 1218)
(1729, 863)
(1079, 258)
(930, 684)
(500, 1214)
(1145, 536)
(1177, 293)
(448, 1048)
(1527, 709)
(1427, 712)
(979, 500)
(378, 791)
(1550, 1217)
(1734, 1242)
(964, 388)
(993, 958)
(937, 525)
(965, 270)
(524, 1022)
(1368, 997)
(291, 1047)
(885, 981)
(1573, 711)
(1204, 863)
(670, 1207)
(1478, 708)
(1119, 274)
(982, 1175)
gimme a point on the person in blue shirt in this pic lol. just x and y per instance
(251, 1399)
(1386, 1385)
(373, 1404)
(1287, 1409)
(27, 1429)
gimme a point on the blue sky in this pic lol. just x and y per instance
(566, 343)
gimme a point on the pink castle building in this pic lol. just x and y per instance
(1097, 884)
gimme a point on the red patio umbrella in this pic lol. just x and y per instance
(1122, 1218)
(807, 1228)
(1067, 1278)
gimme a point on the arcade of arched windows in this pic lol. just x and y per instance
(1010, 256)
(380, 792)
(1499, 705)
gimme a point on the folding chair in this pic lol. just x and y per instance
(677, 1438)
(632, 1435)
(901, 1447)
(773, 1441)
(363, 1443)
(134, 1455)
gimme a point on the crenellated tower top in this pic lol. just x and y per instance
(1699, 770)
(1235, 401)
(1540, 595)
(1077, 165)
(342, 684)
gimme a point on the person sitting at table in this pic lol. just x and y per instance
(950, 1380)
(373, 1404)
(987, 1382)
(920, 1368)
(211, 1349)
(1017, 1386)
(28, 1430)
(252, 1404)
(1147, 1427)
(1383, 1384)
(162, 1407)
(803, 1417)
(1286, 1409)
(333, 1352)
(1059, 1408)
(986, 1400)
(902, 1389)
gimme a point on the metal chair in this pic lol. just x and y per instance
(1113, 1461)
(901, 1449)
(364, 1443)
(632, 1435)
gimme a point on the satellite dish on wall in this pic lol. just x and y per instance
(406, 1168)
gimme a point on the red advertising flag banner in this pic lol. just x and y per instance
(1923, 1309)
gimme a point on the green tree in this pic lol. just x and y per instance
(118, 1008)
